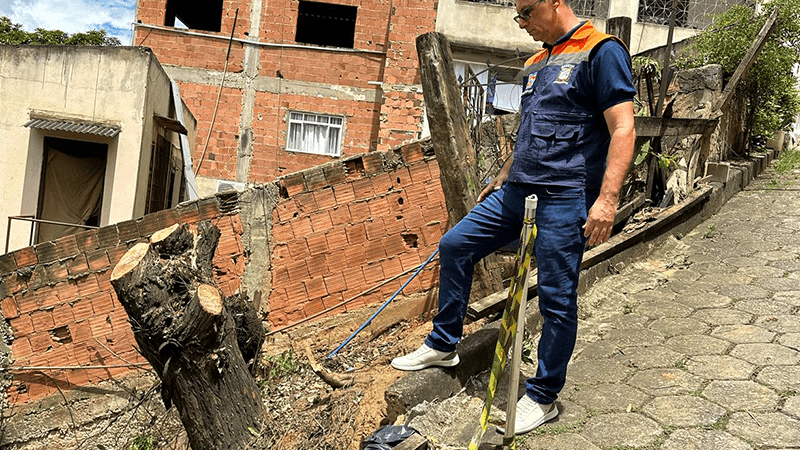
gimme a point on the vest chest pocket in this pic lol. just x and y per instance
(556, 146)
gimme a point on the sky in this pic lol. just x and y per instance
(73, 16)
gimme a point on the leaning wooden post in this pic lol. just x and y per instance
(451, 143)
(183, 328)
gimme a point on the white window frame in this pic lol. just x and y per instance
(300, 133)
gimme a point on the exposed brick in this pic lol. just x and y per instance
(38, 277)
(344, 193)
(9, 308)
(77, 265)
(324, 198)
(359, 212)
(317, 244)
(306, 203)
(356, 234)
(97, 259)
(379, 207)
(22, 326)
(301, 227)
(298, 271)
(102, 302)
(432, 232)
(282, 232)
(401, 177)
(296, 292)
(382, 183)
(27, 302)
(166, 218)
(363, 188)
(336, 238)
(321, 222)
(340, 215)
(42, 321)
(7, 263)
(412, 153)
(373, 163)
(82, 309)
(293, 184)
(315, 287)
(280, 276)
(67, 246)
(318, 265)
(88, 285)
(101, 326)
(48, 297)
(410, 260)
(334, 173)
(419, 173)
(46, 252)
(356, 255)
(208, 208)
(394, 244)
(147, 225)
(40, 343)
(374, 250)
(56, 271)
(188, 213)
(354, 167)
(417, 195)
(68, 291)
(25, 257)
(278, 318)
(12, 283)
(81, 332)
(335, 283)
(21, 348)
(298, 249)
(128, 231)
(333, 300)
(116, 253)
(315, 179)
(62, 315)
(107, 236)
(414, 219)
(375, 230)
(394, 225)
(314, 306)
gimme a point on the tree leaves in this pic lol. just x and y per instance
(13, 34)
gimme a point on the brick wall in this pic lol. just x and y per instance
(347, 226)
(63, 311)
(396, 118)
(337, 230)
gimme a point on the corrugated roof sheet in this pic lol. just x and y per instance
(63, 125)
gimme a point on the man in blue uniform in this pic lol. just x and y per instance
(573, 150)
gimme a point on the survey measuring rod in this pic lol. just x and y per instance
(511, 330)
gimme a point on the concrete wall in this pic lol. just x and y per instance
(375, 86)
(120, 86)
(491, 26)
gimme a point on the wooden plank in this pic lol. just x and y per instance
(647, 126)
(748, 59)
(619, 242)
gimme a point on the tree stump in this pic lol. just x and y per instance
(186, 332)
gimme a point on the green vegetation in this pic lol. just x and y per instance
(710, 232)
(280, 366)
(13, 34)
(142, 443)
(769, 86)
(787, 161)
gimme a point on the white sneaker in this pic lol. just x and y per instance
(425, 357)
(531, 414)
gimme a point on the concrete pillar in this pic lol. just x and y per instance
(621, 28)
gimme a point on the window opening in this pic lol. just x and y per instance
(326, 24)
(194, 14)
(315, 133)
(71, 187)
(159, 186)
(658, 12)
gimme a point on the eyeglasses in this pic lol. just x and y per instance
(525, 14)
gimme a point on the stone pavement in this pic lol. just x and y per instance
(696, 346)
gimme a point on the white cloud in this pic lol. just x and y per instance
(73, 16)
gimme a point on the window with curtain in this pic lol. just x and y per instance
(315, 133)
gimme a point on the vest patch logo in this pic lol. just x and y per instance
(564, 74)
(531, 80)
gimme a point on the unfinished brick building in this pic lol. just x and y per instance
(288, 85)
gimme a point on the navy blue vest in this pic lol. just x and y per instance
(563, 137)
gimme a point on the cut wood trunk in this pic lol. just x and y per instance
(184, 329)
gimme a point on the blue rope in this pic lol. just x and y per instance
(385, 304)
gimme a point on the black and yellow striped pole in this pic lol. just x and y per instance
(513, 316)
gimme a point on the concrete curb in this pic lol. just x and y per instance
(477, 350)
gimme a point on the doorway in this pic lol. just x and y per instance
(71, 190)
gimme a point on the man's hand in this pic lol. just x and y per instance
(498, 181)
(601, 220)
